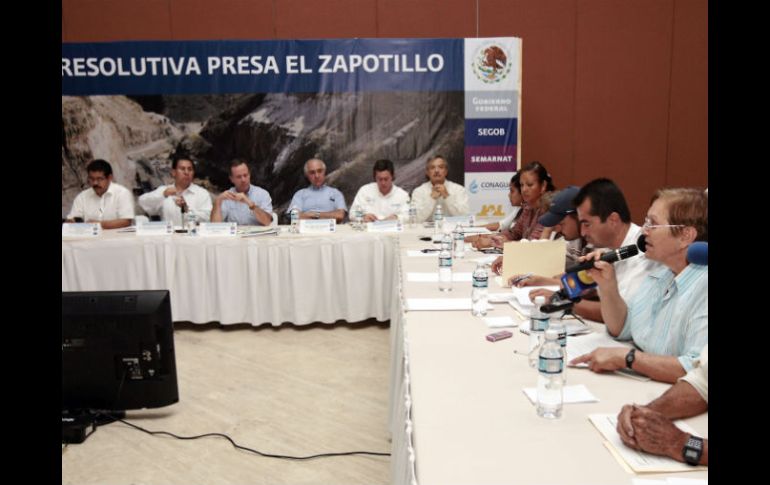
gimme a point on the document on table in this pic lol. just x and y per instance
(419, 253)
(499, 322)
(572, 394)
(638, 461)
(670, 481)
(574, 327)
(433, 304)
(584, 344)
(433, 277)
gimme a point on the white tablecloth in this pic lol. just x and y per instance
(299, 279)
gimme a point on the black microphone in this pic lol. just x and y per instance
(641, 243)
(610, 257)
(698, 253)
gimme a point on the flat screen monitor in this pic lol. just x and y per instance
(117, 351)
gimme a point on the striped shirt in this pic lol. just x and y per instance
(669, 315)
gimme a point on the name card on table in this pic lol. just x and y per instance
(81, 229)
(154, 228)
(208, 229)
(466, 221)
(385, 226)
(317, 226)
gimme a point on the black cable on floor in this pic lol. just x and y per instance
(236, 445)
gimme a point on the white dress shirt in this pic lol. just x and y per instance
(454, 205)
(198, 202)
(116, 203)
(371, 201)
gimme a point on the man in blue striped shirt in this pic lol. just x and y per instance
(667, 317)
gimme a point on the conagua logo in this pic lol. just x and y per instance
(474, 187)
(490, 64)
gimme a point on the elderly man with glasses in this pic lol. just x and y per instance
(667, 317)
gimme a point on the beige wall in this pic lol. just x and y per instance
(614, 88)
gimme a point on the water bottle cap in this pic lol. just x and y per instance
(539, 300)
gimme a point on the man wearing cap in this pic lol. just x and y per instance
(605, 222)
(562, 217)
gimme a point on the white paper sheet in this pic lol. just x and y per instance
(499, 322)
(429, 304)
(433, 277)
(572, 394)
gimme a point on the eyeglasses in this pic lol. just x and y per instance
(648, 225)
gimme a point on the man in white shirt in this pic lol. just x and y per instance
(174, 200)
(452, 197)
(381, 200)
(106, 202)
(605, 222)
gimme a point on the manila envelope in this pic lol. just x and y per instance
(540, 257)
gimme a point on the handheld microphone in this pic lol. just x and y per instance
(610, 256)
(641, 243)
(698, 253)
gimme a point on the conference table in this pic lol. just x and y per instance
(457, 410)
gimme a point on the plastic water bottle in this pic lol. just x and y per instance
(294, 217)
(412, 214)
(438, 220)
(538, 324)
(479, 292)
(561, 331)
(192, 223)
(550, 384)
(459, 241)
(444, 269)
(358, 218)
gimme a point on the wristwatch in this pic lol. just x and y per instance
(252, 207)
(316, 215)
(630, 356)
(693, 450)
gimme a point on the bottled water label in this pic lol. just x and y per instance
(540, 324)
(563, 338)
(550, 365)
(480, 282)
(445, 262)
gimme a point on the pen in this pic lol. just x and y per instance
(521, 278)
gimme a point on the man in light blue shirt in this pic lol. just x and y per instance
(244, 203)
(319, 201)
(667, 316)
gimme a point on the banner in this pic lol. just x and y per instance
(278, 103)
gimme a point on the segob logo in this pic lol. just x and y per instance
(474, 187)
(490, 63)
